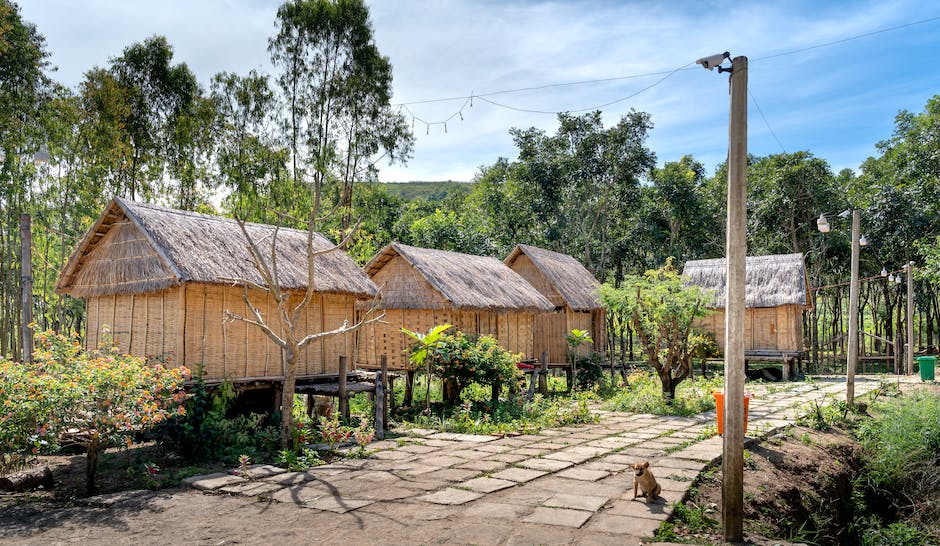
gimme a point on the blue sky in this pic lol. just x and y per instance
(835, 101)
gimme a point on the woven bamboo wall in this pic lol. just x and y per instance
(765, 328)
(513, 330)
(153, 324)
(551, 328)
(533, 275)
(140, 324)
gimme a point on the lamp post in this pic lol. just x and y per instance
(858, 241)
(732, 460)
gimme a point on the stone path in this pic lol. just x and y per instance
(571, 482)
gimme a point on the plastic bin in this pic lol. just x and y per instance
(720, 410)
(926, 365)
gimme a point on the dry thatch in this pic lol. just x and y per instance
(573, 282)
(770, 281)
(463, 280)
(138, 248)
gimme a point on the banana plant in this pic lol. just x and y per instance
(425, 345)
(575, 339)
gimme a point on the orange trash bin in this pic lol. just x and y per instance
(720, 410)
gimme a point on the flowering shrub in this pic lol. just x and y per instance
(93, 399)
(335, 433)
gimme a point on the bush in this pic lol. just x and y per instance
(461, 360)
(590, 372)
(643, 394)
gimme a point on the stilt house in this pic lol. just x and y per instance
(421, 288)
(777, 291)
(571, 289)
(159, 279)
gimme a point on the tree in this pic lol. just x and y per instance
(662, 311)
(422, 352)
(338, 88)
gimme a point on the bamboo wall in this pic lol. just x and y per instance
(765, 328)
(402, 287)
(512, 329)
(534, 276)
(186, 325)
(551, 328)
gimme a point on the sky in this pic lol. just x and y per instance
(835, 101)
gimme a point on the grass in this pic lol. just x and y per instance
(644, 395)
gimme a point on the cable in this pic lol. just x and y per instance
(769, 128)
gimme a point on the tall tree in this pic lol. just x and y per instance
(337, 87)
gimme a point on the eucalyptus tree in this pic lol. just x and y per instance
(336, 87)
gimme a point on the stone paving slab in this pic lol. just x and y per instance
(337, 505)
(576, 502)
(658, 509)
(110, 499)
(258, 471)
(508, 458)
(299, 494)
(498, 510)
(570, 456)
(483, 465)
(487, 485)
(550, 465)
(584, 474)
(623, 525)
(451, 496)
(558, 516)
(211, 482)
(442, 461)
(451, 474)
(251, 489)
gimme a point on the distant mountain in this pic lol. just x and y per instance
(432, 191)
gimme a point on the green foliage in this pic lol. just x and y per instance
(823, 416)
(92, 399)
(590, 372)
(461, 360)
(643, 394)
(895, 534)
(295, 461)
(430, 191)
(208, 433)
(661, 308)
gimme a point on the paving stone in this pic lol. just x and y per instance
(299, 494)
(671, 485)
(520, 475)
(417, 448)
(529, 451)
(498, 510)
(522, 495)
(558, 516)
(339, 505)
(605, 466)
(570, 456)
(696, 453)
(383, 444)
(475, 438)
(416, 469)
(673, 462)
(551, 465)
(623, 525)
(442, 461)
(576, 502)
(393, 455)
(258, 471)
(611, 443)
(211, 482)
(251, 489)
(467, 454)
(289, 478)
(387, 493)
(487, 485)
(451, 496)
(437, 442)
(610, 488)
(639, 508)
(493, 448)
(507, 458)
(451, 474)
(420, 432)
(678, 474)
(584, 474)
(483, 465)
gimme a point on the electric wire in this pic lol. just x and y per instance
(767, 123)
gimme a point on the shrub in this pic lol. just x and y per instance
(460, 360)
(643, 394)
(590, 372)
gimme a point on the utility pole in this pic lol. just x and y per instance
(910, 317)
(851, 360)
(732, 488)
(26, 284)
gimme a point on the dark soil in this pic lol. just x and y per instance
(797, 487)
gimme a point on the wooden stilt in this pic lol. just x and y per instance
(343, 400)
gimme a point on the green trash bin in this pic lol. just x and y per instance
(926, 365)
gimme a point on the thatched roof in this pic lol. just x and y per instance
(771, 281)
(465, 280)
(137, 247)
(577, 285)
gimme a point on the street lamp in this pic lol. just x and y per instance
(851, 359)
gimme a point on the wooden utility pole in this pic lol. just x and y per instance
(910, 317)
(26, 283)
(732, 462)
(851, 359)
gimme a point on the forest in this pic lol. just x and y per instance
(268, 148)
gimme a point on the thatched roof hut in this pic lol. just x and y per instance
(422, 287)
(571, 288)
(161, 279)
(777, 291)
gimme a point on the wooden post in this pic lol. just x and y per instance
(732, 490)
(910, 317)
(409, 388)
(380, 415)
(535, 378)
(851, 361)
(389, 393)
(343, 401)
(26, 284)
(543, 377)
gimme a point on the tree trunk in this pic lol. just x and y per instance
(91, 467)
(289, 354)
(409, 389)
(451, 392)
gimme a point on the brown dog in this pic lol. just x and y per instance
(644, 481)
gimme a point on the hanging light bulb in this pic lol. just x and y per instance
(862, 241)
(884, 272)
(891, 277)
(897, 280)
(822, 224)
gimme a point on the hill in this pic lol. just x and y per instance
(432, 191)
